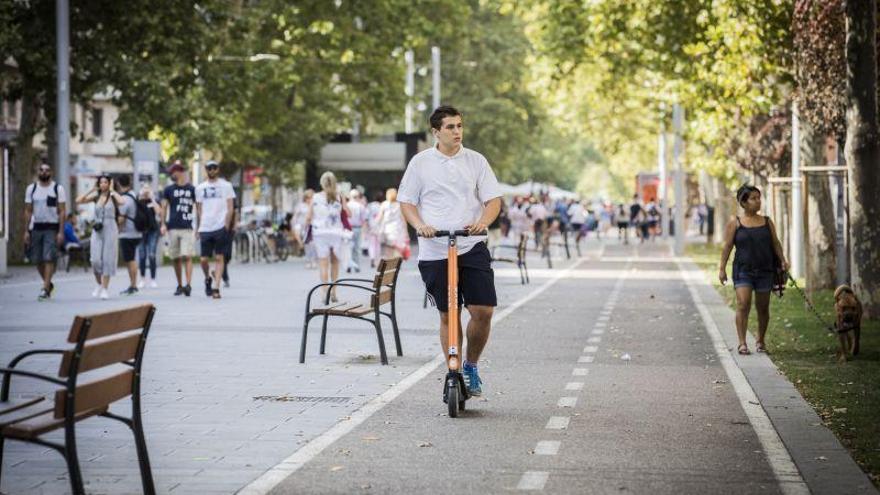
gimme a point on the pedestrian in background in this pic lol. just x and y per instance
(104, 242)
(146, 251)
(754, 264)
(373, 235)
(45, 203)
(301, 227)
(129, 236)
(214, 212)
(178, 213)
(392, 227)
(325, 218)
(357, 215)
(622, 224)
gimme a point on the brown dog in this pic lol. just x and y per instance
(849, 321)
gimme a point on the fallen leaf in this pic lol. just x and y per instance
(821, 458)
(370, 438)
(426, 444)
(335, 468)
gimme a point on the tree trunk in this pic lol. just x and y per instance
(23, 173)
(821, 261)
(863, 151)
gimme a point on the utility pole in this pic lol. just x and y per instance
(435, 76)
(680, 197)
(409, 90)
(796, 244)
(62, 118)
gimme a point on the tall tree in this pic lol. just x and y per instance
(863, 150)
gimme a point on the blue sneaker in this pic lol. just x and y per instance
(472, 379)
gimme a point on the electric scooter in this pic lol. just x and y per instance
(455, 392)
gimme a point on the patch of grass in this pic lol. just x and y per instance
(845, 395)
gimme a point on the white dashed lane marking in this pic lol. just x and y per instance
(567, 401)
(594, 340)
(533, 480)
(574, 386)
(558, 423)
(547, 447)
(579, 372)
(598, 331)
(585, 359)
(591, 349)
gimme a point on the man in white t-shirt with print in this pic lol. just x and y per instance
(450, 187)
(214, 209)
(44, 209)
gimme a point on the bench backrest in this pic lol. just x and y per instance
(103, 339)
(385, 281)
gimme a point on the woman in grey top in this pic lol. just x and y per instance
(105, 233)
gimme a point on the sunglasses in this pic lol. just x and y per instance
(212, 167)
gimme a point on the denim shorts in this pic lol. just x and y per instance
(756, 280)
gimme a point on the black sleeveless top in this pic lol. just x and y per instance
(754, 248)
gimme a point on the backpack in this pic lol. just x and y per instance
(34, 190)
(142, 214)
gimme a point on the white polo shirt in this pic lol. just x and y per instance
(449, 192)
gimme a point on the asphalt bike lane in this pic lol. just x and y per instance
(605, 382)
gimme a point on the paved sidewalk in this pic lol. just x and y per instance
(224, 396)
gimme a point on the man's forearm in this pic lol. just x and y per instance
(411, 215)
(491, 211)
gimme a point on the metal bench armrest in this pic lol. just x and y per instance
(333, 284)
(7, 377)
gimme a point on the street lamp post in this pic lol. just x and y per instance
(62, 118)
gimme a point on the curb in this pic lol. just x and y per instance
(825, 465)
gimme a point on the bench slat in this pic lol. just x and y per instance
(384, 278)
(111, 322)
(43, 423)
(97, 355)
(382, 298)
(389, 264)
(344, 309)
(97, 393)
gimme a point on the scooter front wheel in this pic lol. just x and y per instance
(453, 398)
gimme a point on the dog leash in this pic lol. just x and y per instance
(794, 284)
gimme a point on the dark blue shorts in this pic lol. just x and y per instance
(476, 280)
(213, 243)
(756, 280)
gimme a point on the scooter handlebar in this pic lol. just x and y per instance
(456, 233)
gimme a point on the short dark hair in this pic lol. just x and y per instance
(742, 194)
(124, 180)
(441, 113)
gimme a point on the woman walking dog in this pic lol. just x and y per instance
(754, 264)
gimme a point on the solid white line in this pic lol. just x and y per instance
(594, 340)
(567, 402)
(574, 386)
(558, 423)
(586, 359)
(533, 480)
(278, 473)
(787, 474)
(547, 447)
(579, 372)
(591, 349)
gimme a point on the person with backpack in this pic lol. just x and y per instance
(130, 231)
(45, 203)
(146, 251)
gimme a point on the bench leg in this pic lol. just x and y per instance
(425, 301)
(143, 457)
(382, 355)
(526, 269)
(1, 460)
(396, 333)
(76, 482)
(522, 277)
(302, 347)
(324, 334)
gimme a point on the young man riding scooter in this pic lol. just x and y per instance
(450, 187)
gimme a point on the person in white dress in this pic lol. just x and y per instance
(325, 218)
(392, 227)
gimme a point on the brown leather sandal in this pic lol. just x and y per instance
(743, 349)
(760, 347)
(215, 294)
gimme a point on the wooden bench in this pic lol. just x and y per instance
(519, 261)
(382, 291)
(109, 345)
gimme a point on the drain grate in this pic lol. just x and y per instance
(302, 398)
